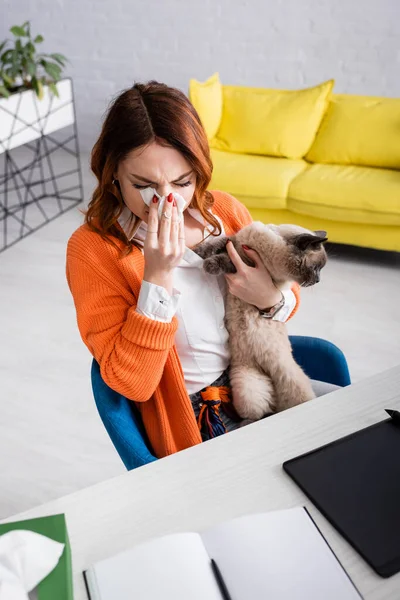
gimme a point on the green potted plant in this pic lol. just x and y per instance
(22, 67)
(34, 100)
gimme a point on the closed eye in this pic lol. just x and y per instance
(143, 187)
(186, 184)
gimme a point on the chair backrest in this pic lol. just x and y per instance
(320, 359)
(122, 421)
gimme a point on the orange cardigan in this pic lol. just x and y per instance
(137, 355)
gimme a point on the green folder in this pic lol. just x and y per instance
(58, 583)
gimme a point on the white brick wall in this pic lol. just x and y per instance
(275, 43)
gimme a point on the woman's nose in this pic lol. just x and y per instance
(164, 190)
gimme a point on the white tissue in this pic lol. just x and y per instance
(26, 558)
(148, 194)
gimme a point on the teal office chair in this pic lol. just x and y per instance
(319, 358)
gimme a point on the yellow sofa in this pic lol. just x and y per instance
(321, 160)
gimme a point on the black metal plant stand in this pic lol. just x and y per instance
(41, 179)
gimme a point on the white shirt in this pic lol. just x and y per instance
(198, 301)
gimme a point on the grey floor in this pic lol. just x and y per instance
(51, 438)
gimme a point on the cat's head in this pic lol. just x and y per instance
(290, 252)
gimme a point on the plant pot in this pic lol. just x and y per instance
(24, 118)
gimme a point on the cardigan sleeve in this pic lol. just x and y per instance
(130, 348)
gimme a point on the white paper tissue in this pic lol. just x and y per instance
(26, 558)
(148, 194)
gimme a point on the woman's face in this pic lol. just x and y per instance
(160, 167)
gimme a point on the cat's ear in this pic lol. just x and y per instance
(309, 240)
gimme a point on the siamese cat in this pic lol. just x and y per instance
(263, 374)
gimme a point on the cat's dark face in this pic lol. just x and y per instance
(307, 257)
(290, 252)
(304, 255)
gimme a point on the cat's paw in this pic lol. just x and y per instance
(201, 250)
(213, 265)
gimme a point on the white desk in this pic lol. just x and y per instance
(229, 476)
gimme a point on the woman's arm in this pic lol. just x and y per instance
(130, 348)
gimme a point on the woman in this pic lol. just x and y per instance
(150, 316)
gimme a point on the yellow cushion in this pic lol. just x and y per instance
(263, 181)
(271, 122)
(206, 97)
(351, 194)
(359, 130)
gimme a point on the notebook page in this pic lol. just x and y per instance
(278, 555)
(172, 568)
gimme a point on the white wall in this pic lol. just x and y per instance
(286, 43)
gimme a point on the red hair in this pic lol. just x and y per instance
(139, 116)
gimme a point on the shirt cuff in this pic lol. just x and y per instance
(285, 312)
(155, 302)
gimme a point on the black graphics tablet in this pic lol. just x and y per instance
(355, 483)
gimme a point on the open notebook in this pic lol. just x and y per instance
(278, 555)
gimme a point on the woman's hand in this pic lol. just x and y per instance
(251, 284)
(164, 245)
